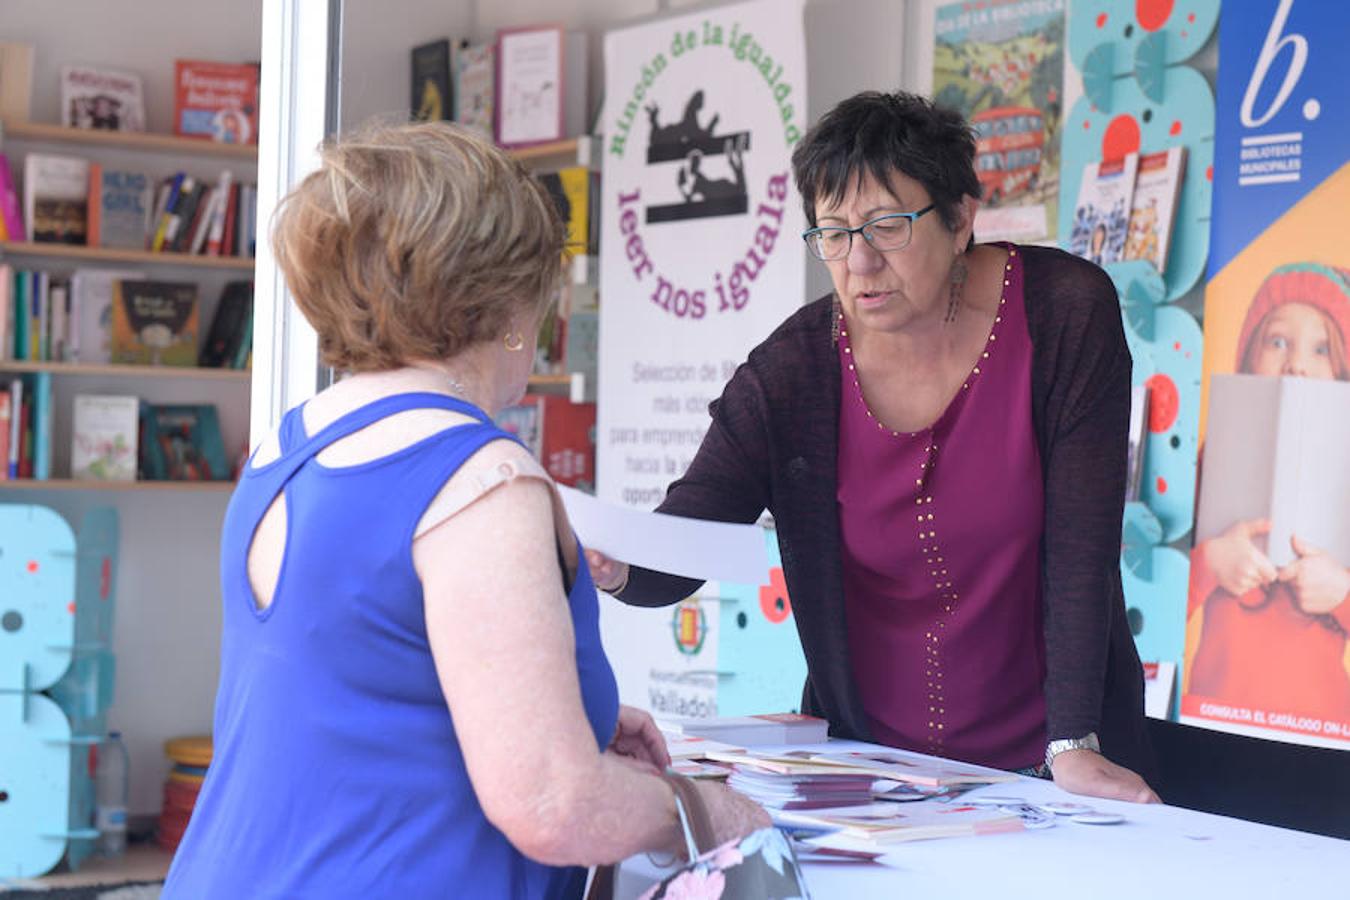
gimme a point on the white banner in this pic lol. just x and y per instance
(701, 257)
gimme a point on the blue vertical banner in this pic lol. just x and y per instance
(1268, 608)
(1283, 114)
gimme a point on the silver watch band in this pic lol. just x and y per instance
(1055, 748)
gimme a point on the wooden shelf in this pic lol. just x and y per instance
(575, 151)
(137, 257)
(556, 381)
(71, 484)
(574, 384)
(127, 371)
(128, 140)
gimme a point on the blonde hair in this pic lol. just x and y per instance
(416, 242)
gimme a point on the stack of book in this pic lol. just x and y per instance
(878, 827)
(70, 200)
(193, 216)
(1126, 208)
(26, 427)
(806, 788)
(97, 316)
(750, 731)
(508, 88)
(878, 765)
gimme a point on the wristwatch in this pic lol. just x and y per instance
(1087, 742)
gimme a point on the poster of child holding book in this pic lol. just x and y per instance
(1268, 610)
(1267, 623)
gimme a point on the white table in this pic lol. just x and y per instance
(1158, 852)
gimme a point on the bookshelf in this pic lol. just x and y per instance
(564, 382)
(75, 484)
(134, 257)
(126, 371)
(127, 140)
(577, 151)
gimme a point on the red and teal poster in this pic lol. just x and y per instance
(1001, 64)
(1269, 602)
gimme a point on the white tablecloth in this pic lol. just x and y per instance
(1158, 852)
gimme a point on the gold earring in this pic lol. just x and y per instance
(514, 341)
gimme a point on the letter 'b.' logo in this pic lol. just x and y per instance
(1269, 51)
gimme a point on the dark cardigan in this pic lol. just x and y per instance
(773, 444)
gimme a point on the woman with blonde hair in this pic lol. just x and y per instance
(413, 697)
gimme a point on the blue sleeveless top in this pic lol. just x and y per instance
(337, 772)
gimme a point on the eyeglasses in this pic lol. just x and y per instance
(884, 234)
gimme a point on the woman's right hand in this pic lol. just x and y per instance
(1238, 565)
(733, 815)
(609, 575)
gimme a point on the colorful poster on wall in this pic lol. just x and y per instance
(700, 259)
(1001, 64)
(1269, 603)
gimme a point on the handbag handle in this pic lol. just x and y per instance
(695, 819)
(695, 822)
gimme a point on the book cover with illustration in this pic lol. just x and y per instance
(1102, 217)
(525, 421)
(56, 198)
(567, 446)
(216, 101)
(1157, 187)
(1275, 490)
(105, 437)
(102, 99)
(228, 325)
(91, 301)
(574, 190)
(431, 98)
(1002, 67)
(119, 207)
(183, 443)
(475, 87)
(154, 323)
(1266, 650)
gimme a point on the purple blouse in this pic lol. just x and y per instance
(941, 533)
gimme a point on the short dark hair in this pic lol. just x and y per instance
(882, 134)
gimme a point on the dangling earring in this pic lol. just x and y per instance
(514, 341)
(958, 280)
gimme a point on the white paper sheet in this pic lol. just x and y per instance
(713, 551)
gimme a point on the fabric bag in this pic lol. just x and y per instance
(759, 866)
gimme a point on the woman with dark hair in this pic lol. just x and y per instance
(942, 444)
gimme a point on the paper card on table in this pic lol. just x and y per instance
(694, 548)
(690, 746)
(920, 821)
(880, 764)
(692, 768)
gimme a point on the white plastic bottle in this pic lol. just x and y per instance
(110, 793)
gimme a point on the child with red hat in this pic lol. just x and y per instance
(1276, 637)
